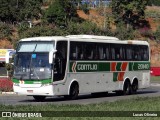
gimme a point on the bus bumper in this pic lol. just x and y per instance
(43, 90)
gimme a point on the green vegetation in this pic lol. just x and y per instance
(131, 13)
(5, 31)
(155, 78)
(28, 18)
(136, 104)
(20, 10)
(157, 33)
(154, 2)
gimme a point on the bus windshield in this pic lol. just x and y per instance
(32, 66)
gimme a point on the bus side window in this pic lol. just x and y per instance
(73, 52)
(129, 52)
(89, 51)
(113, 53)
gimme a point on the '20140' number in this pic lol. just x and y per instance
(143, 66)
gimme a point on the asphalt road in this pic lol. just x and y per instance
(153, 91)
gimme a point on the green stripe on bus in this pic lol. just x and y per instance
(89, 66)
(106, 66)
(44, 81)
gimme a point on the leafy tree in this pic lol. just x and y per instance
(154, 2)
(61, 12)
(5, 31)
(129, 11)
(19, 10)
(122, 33)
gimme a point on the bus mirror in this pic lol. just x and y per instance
(51, 54)
(9, 55)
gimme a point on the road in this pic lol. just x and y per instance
(153, 91)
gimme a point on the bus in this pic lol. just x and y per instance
(80, 64)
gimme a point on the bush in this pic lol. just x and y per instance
(157, 34)
(42, 31)
(86, 28)
(123, 33)
(6, 85)
(154, 2)
(146, 32)
(5, 30)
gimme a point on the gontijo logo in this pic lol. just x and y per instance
(84, 67)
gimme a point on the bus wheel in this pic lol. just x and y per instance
(74, 91)
(127, 88)
(134, 87)
(39, 98)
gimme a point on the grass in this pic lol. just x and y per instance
(155, 78)
(136, 104)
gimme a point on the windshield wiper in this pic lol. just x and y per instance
(34, 72)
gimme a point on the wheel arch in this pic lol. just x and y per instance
(125, 80)
(74, 81)
(135, 79)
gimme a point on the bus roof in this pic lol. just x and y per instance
(86, 38)
(92, 37)
(104, 39)
(46, 38)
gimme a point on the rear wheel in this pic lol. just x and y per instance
(39, 98)
(134, 87)
(127, 88)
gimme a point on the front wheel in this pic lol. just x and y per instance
(74, 91)
(39, 98)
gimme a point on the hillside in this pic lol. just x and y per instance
(154, 45)
(97, 16)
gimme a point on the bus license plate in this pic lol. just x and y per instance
(30, 91)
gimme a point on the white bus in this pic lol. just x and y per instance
(80, 64)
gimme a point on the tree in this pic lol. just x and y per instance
(154, 2)
(19, 10)
(61, 12)
(129, 11)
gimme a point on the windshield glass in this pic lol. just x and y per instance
(32, 66)
(35, 46)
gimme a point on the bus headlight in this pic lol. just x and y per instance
(43, 85)
(16, 84)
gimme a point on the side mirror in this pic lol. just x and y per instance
(8, 55)
(51, 55)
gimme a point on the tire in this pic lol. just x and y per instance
(134, 87)
(127, 88)
(39, 98)
(74, 91)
